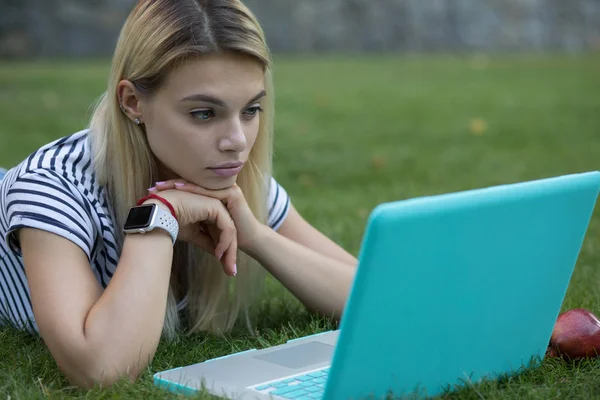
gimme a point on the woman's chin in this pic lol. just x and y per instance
(218, 184)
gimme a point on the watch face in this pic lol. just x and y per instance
(139, 217)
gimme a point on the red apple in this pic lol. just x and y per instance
(576, 335)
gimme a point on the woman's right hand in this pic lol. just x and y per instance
(204, 222)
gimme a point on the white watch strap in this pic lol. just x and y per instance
(164, 220)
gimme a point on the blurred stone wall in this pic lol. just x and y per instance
(88, 28)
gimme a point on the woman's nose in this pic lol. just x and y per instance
(234, 139)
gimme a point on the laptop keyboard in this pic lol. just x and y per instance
(308, 386)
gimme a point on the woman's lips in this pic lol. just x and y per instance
(227, 171)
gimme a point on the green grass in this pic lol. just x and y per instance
(353, 132)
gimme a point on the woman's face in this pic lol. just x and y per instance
(203, 121)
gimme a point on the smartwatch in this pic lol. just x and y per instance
(147, 217)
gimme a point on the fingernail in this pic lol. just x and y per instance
(152, 189)
(178, 184)
(234, 269)
(160, 183)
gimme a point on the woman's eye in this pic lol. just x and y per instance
(203, 114)
(252, 111)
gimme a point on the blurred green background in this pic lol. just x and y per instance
(351, 132)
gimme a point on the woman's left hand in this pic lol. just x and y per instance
(246, 224)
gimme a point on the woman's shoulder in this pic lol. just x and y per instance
(54, 189)
(66, 160)
(58, 176)
(65, 153)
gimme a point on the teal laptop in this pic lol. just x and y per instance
(449, 289)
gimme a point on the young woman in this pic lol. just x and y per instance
(187, 118)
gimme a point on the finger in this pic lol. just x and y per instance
(229, 260)
(202, 239)
(236, 198)
(205, 242)
(214, 233)
(224, 240)
(222, 194)
(165, 185)
(223, 221)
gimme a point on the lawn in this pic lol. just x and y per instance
(353, 132)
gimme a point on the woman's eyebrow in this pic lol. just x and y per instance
(218, 102)
(259, 96)
(205, 98)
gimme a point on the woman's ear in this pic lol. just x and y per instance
(129, 102)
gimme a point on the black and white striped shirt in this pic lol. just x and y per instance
(55, 190)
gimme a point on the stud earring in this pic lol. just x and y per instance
(137, 121)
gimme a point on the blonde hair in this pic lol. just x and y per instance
(158, 36)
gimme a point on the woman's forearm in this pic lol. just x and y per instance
(123, 328)
(318, 281)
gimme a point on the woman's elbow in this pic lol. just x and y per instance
(101, 374)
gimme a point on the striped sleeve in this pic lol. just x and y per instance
(279, 204)
(44, 200)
